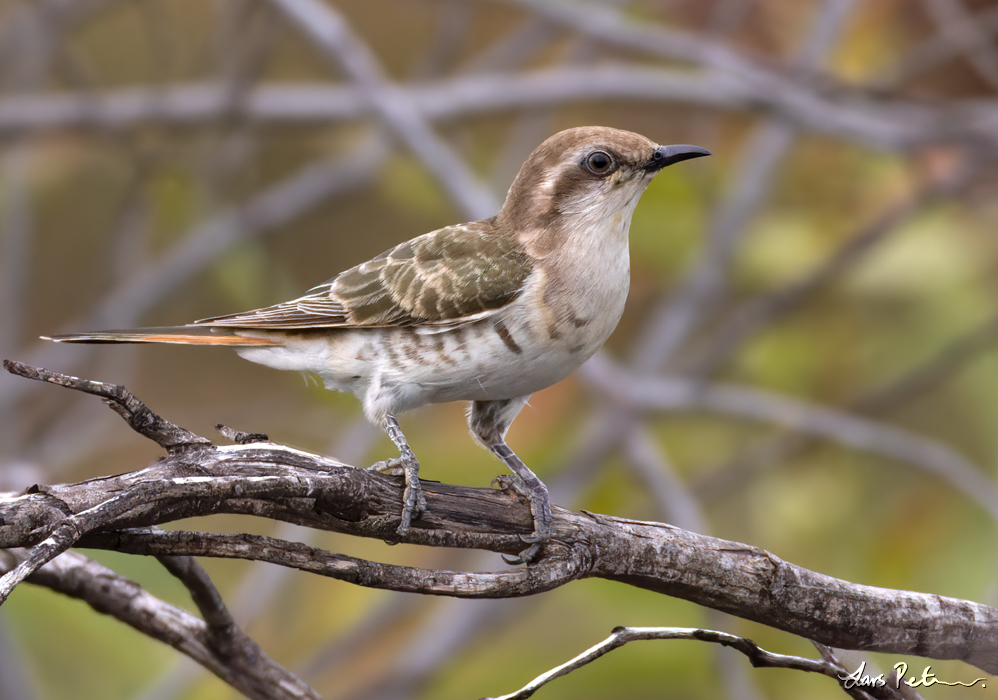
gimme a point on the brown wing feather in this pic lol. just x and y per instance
(450, 276)
(317, 309)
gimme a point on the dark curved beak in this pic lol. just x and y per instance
(667, 155)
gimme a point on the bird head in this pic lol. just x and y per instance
(585, 177)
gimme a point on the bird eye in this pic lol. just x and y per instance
(599, 163)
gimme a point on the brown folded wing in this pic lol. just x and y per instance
(448, 277)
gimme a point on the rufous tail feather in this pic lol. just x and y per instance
(178, 335)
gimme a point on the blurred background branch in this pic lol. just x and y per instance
(807, 362)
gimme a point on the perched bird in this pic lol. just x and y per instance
(487, 312)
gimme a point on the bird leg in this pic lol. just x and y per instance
(489, 421)
(406, 464)
(533, 489)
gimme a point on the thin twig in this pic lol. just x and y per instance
(758, 657)
(138, 416)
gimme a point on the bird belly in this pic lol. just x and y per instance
(497, 358)
(392, 370)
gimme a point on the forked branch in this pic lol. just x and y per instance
(267, 480)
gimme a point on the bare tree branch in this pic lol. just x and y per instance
(940, 366)
(269, 209)
(216, 112)
(756, 314)
(683, 309)
(335, 39)
(954, 20)
(938, 49)
(223, 632)
(882, 123)
(249, 669)
(267, 480)
(680, 394)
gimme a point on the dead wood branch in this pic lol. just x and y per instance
(272, 481)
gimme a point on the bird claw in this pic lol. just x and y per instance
(413, 505)
(413, 501)
(392, 467)
(542, 524)
(512, 483)
(526, 556)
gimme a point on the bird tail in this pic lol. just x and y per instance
(178, 335)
